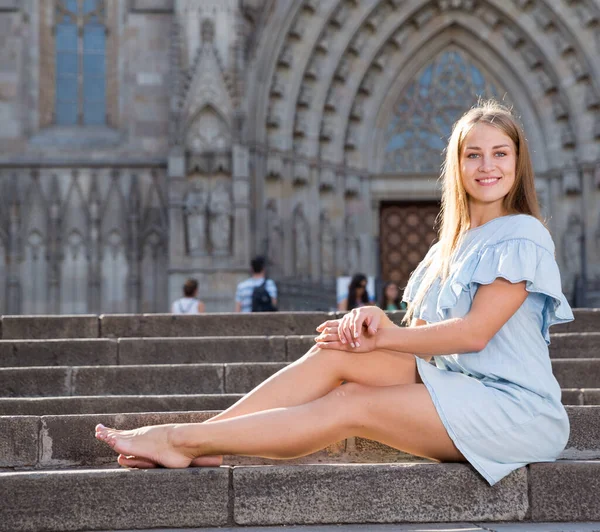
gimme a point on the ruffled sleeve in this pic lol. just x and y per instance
(516, 260)
(417, 276)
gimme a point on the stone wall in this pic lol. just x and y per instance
(261, 126)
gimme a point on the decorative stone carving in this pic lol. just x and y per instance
(571, 180)
(531, 56)
(277, 88)
(357, 109)
(351, 142)
(300, 126)
(597, 176)
(490, 17)
(597, 126)
(447, 5)
(301, 174)
(274, 244)
(297, 30)
(327, 247)
(512, 36)
(423, 17)
(358, 42)
(331, 100)
(343, 69)
(563, 45)
(352, 185)
(375, 20)
(274, 166)
(327, 179)
(312, 72)
(558, 107)
(340, 15)
(586, 16)
(400, 36)
(543, 17)
(196, 220)
(285, 58)
(301, 243)
(592, 98)
(327, 130)
(567, 137)
(305, 96)
(273, 119)
(323, 44)
(577, 68)
(311, 5)
(545, 81)
(220, 212)
(382, 59)
(368, 83)
(352, 245)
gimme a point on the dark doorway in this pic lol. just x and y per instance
(406, 232)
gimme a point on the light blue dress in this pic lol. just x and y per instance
(502, 405)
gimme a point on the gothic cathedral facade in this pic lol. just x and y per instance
(143, 142)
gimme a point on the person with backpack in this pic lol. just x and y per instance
(257, 293)
(189, 303)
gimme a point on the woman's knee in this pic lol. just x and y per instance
(330, 358)
(351, 403)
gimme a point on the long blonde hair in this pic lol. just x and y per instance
(454, 219)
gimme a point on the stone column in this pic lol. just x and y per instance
(241, 205)
(134, 248)
(13, 292)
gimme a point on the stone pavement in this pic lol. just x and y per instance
(433, 527)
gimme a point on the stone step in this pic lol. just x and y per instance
(44, 442)
(99, 404)
(575, 345)
(194, 350)
(91, 499)
(179, 379)
(168, 325)
(40, 406)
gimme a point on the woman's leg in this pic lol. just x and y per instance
(402, 416)
(312, 376)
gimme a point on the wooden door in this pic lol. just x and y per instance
(405, 235)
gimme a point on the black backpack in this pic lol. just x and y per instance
(261, 299)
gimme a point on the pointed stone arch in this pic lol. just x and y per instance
(421, 123)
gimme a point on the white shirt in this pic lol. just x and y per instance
(185, 305)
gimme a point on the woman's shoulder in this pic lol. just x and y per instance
(520, 226)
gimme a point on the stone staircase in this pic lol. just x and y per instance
(61, 375)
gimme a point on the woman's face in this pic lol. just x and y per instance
(488, 163)
(391, 292)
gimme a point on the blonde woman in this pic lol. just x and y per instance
(480, 303)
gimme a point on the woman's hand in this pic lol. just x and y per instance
(357, 321)
(330, 339)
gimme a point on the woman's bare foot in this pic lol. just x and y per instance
(144, 463)
(147, 444)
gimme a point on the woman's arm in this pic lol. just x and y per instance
(343, 305)
(492, 307)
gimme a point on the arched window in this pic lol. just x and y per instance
(80, 76)
(424, 114)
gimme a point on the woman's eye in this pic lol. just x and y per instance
(501, 154)
(472, 155)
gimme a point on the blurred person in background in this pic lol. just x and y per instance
(358, 296)
(390, 298)
(189, 303)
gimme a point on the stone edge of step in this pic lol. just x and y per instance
(43, 442)
(296, 494)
